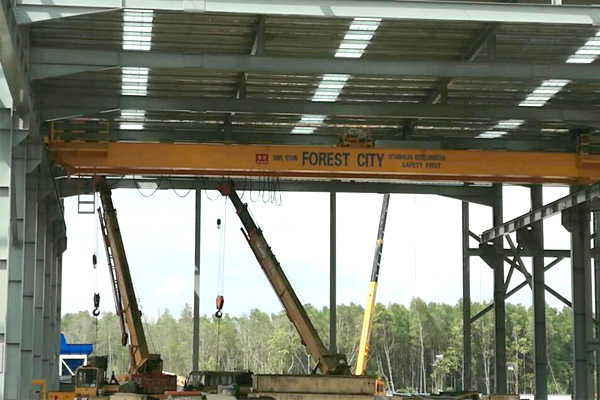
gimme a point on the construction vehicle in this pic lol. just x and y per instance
(145, 369)
(365, 332)
(214, 381)
(335, 380)
(90, 382)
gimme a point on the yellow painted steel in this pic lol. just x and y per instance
(42, 384)
(365, 332)
(325, 162)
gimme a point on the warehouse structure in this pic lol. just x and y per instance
(494, 92)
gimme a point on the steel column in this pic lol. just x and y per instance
(30, 236)
(466, 302)
(499, 304)
(56, 333)
(596, 254)
(196, 322)
(539, 300)
(38, 318)
(577, 221)
(5, 236)
(332, 272)
(52, 337)
(12, 297)
(48, 250)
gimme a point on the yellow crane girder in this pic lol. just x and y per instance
(109, 158)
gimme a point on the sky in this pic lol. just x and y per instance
(422, 252)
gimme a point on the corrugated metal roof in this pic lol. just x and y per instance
(289, 36)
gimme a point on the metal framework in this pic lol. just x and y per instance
(434, 76)
(34, 10)
(56, 62)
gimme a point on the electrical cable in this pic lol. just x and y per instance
(208, 197)
(280, 195)
(175, 191)
(244, 188)
(116, 182)
(151, 194)
(251, 190)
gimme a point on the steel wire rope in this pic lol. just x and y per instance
(96, 311)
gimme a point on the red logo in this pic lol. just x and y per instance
(262, 158)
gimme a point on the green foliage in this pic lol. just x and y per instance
(418, 348)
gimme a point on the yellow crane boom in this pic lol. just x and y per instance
(141, 361)
(327, 362)
(365, 332)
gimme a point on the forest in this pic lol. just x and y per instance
(413, 349)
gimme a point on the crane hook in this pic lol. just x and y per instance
(96, 311)
(220, 301)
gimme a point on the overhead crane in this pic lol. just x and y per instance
(110, 158)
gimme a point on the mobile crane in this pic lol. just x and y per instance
(145, 369)
(335, 378)
(365, 333)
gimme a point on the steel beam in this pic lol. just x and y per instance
(474, 193)
(381, 140)
(32, 10)
(196, 322)
(539, 300)
(57, 62)
(577, 221)
(15, 64)
(479, 43)
(582, 196)
(466, 300)
(499, 303)
(332, 272)
(514, 290)
(474, 252)
(52, 105)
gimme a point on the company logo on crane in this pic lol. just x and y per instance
(262, 158)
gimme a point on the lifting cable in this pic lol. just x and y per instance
(96, 311)
(220, 300)
(222, 226)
